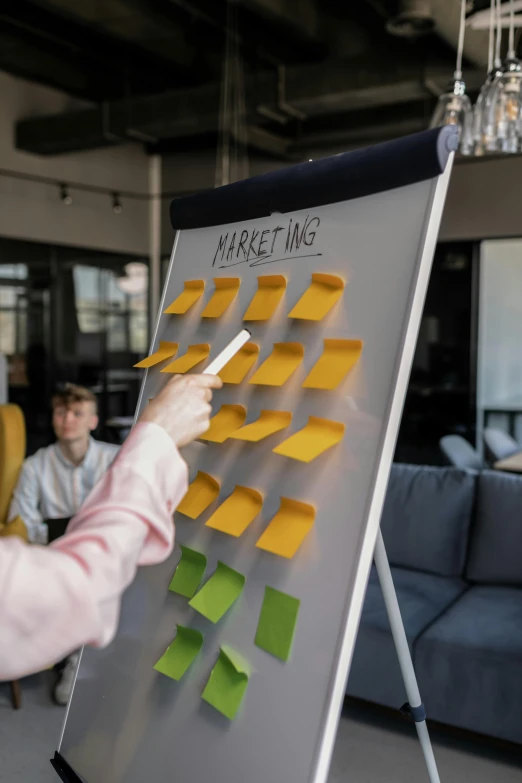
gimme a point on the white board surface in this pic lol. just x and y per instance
(127, 723)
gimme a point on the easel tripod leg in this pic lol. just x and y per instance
(416, 708)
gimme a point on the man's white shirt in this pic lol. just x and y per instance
(52, 487)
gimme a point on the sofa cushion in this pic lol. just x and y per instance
(426, 518)
(469, 663)
(375, 674)
(496, 539)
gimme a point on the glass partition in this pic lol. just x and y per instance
(499, 379)
(68, 314)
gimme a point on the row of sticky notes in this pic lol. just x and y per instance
(336, 361)
(316, 437)
(285, 533)
(217, 595)
(319, 298)
(228, 681)
(222, 590)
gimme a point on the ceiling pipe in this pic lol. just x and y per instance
(416, 17)
(446, 15)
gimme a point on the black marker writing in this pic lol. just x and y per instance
(244, 237)
(253, 238)
(221, 246)
(275, 233)
(231, 246)
(254, 246)
(262, 242)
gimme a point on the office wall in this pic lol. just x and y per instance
(499, 372)
(34, 212)
(483, 199)
(500, 322)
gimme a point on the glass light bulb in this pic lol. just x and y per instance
(480, 111)
(503, 126)
(454, 108)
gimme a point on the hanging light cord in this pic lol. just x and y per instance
(511, 52)
(498, 43)
(232, 154)
(491, 35)
(460, 49)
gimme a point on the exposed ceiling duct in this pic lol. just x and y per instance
(417, 17)
(414, 19)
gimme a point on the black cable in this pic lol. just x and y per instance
(80, 186)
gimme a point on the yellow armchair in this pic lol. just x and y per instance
(16, 527)
(12, 454)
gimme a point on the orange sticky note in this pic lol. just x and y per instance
(227, 420)
(193, 290)
(323, 292)
(237, 512)
(314, 439)
(336, 361)
(267, 424)
(237, 368)
(288, 528)
(195, 354)
(282, 362)
(200, 494)
(271, 289)
(225, 293)
(165, 351)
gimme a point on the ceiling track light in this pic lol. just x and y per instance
(65, 196)
(116, 203)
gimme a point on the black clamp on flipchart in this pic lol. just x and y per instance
(66, 772)
(416, 714)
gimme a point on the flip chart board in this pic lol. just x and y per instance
(253, 690)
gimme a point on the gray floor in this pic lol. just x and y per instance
(370, 748)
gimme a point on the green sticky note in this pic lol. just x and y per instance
(217, 596)
(189, 572)
(276, 627)
(180, 654)
(228, 682)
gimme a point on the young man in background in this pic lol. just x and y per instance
(55, 481)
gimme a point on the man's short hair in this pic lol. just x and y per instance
(70, 394)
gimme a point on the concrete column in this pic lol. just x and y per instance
(154, 239)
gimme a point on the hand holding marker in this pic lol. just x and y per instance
(227, 353)
(182, 408)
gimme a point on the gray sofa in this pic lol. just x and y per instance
(454, 539)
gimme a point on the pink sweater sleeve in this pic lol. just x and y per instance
(55, 599)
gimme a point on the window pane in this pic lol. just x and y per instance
(8, 332)
(139, 332)
(115, 295)
(13, 320)
(13, 271)
(117, 333)
(87, 295)
(8, 296)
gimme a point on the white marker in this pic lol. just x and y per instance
(227, 353)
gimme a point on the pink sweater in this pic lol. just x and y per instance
(55, 599)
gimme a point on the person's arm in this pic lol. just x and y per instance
(125, 522)
(26, 501)
(57, 598)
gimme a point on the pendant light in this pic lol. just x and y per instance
(503, 120)
(489, 131)
(454, 106)
(479, 133)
